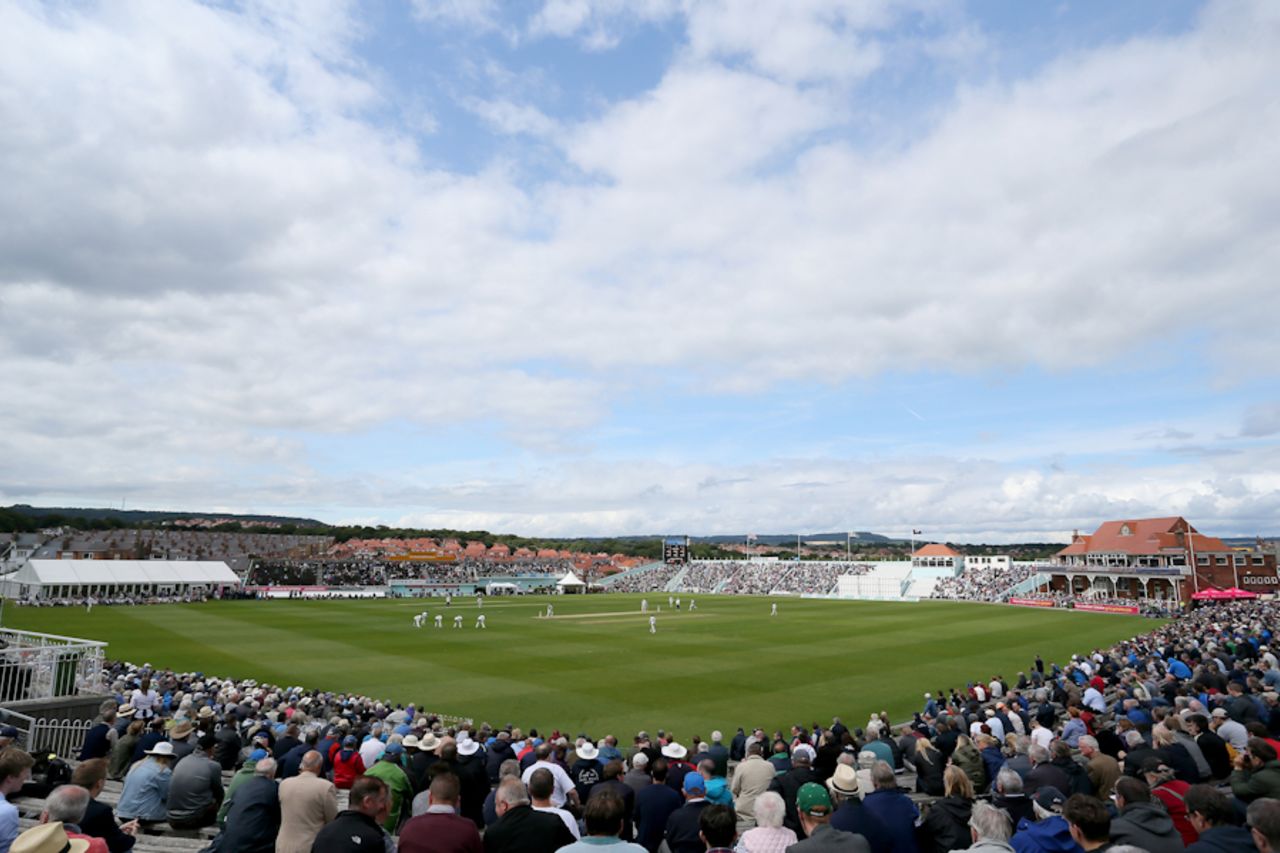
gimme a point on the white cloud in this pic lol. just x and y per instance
(209, 244)
(481, 14)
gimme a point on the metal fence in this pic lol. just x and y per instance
(48, 666)
(62, 737)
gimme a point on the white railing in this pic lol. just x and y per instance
(61, 737)
(48, 666)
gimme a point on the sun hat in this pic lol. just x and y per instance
(587, 751)
(410, 741)
(674, 750)
(844, 781)
(206, 712)
(182, 730)
(126, 710)
(467, 746)
(812, 799)
(163, 748)
(694, 783)
(48, 838)
(428, 742)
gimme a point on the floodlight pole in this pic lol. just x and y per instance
(848, 547)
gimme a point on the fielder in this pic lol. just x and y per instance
(439, 621)
(457, 621)
(774, 611)
(480, 621)
(644, 605)
(417, 621)
(653, 624)
(693, 605)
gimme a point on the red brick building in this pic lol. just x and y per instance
(1158, 558)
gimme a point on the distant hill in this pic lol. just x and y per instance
(145, 516)
(790, 538)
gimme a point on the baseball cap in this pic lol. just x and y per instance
(394, 748)
(8, 731)
(694, 783)
(1219, 712)
(258, 755)
(350, 741)
(1050, 798)
(813, 799)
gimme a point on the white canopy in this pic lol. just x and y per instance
(570, 579)
(124, 572)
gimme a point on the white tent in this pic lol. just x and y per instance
(98, 578)
(571, 583)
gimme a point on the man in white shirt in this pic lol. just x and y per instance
(1093, 700)
(371, 750)
(1040, 735)
(563, 784)
(1229, 730)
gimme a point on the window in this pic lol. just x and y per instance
(1202, 560)
(1125, 531)
(1240, 559)
(1222, 559)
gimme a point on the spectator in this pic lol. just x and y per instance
(1008, 795)
(638, 777)
(541, 786)
(751, 779)
(1141, 822)
(1050, 832)
(253, 822)
(123, 750)
(98, 820)
(48, 838)
(388, 769)
(893, 808)
(359, 828)
(789, 783)
(1090, 822)
(989, 830)
(15, 770)
(946, 824)
(1211, 813)
(654, 805)
(347, 763)
(1263, 820)
(768, 835)
(145, 796)
(719, 828)
(1103, 770)
(683, 828)
(440, 829)
(1211, 745)
(604, 817)
(307, 803)
(520, 829)
(66, 804)
(613, 781)
(563, 790)
(1257, 772)
(813, 804)
(1172, 793)
(195, 791)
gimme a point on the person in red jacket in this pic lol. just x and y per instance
(347, 764)
(1173, 793)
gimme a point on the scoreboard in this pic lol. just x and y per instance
(675, 549)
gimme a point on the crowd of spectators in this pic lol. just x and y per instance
(646, 580)
(1165, 741)
(108, 600)
(382, 572)
(982, 583)
(812, 578)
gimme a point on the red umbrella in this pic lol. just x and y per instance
(1237, 592)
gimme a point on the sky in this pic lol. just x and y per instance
(992, 270)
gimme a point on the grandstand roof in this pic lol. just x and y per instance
(1143, 536)
(935, 549)
(113, 572)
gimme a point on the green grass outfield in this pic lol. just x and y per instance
(594, 666)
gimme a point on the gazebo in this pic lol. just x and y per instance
(1230, 594)
(571, 583)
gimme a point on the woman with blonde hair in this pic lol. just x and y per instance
(946, 825)
(929, 765)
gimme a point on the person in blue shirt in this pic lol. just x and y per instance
(15, 770)
(145, 795)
